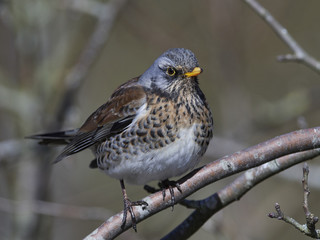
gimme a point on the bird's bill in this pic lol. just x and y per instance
(195, 72)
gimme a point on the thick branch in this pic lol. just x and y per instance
(299, 54)
(293, 142)
(207, 207)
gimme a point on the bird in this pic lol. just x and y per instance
(153, 127)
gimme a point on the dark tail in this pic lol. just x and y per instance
(61, 138)
(74, 140)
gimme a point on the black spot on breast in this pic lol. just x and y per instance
(153, 133)
(146, 140)
(160, 133)
(133, 142)
(132, 132)
(141, 133)
(154, 111)
(148, 120)
(156, 125)
(146, 125)
(123, 134)
(169, 126)
(140, 123)
(188, 108)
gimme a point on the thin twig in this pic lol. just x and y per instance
(299, 54)
(309, 229)
(281, 216)
(311, 220)
(293, 142)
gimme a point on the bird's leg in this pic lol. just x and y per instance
(167, 184)
(128, 207)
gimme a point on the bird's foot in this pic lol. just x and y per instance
(164, 185)
(128, 208)
(167, 184)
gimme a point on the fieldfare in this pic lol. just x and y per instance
(153, 127)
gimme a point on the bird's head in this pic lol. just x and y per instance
(172, 68)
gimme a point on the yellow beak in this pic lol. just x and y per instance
(195, 72)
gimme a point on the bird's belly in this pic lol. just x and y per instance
(171, 160)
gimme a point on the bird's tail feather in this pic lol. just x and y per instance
(60, 138)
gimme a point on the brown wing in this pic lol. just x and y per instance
(112, 117)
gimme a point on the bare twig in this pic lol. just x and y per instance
(281, 216)
(310, 218)
(299, 54)
(309, 228)
(293, 142)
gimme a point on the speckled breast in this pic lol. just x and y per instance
(156, 126)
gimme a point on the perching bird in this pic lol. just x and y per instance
(153, 127)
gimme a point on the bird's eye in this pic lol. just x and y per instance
(171, 71)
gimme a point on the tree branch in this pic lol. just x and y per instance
(309, 229)
(277, 147)
(299, 54)
(207, 207)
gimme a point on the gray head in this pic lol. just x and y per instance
(174, 64)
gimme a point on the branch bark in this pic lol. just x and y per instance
(277, 147)
(207, 207)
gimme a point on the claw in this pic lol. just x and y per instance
(167, 184)
(128, 208)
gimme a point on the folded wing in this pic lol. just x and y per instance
(111, 118)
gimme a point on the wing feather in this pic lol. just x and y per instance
(111, 118)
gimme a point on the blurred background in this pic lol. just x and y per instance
(60, 60)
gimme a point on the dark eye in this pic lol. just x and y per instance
(171, 71)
